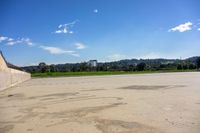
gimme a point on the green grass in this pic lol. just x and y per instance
(73, 74)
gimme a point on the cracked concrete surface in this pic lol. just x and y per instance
(148, 103)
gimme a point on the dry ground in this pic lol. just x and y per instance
(149, 103)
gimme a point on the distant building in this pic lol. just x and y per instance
(92, 63)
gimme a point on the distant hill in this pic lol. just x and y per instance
(121, 65)
(192, 59)
(156, 61)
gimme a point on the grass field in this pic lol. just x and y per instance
(71, 74)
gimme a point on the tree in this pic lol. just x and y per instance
(84, 66)
(162, 66)
(43, 67)
(179, 67)
(198, 62)
(185, 66)
(141, 66)
(52, 68)
(192, 66)
(131, 68)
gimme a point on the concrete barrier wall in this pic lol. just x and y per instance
(10, 77)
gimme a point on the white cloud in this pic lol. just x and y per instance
(26, 41)
(65, 28)
(58, 31)
(10, 39)
(182, 27)
(115, 57)
(3, 38)
(95, 11)
(80, 46)
(70, 32)
(75, 54)
(56, 50)
(198, 29)
(13, 43)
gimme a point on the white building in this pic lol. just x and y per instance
(92, 63)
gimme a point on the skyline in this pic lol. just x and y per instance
(75, 31)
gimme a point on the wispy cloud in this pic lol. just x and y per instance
(3, 38)
(56, 50)
(26, 41)
(182, 27)
(11, 41)
(50, 49)
(115, 57)
(95, 11)
(75, 54)
(80, 46)
(66, 28)
(198, 29)
(151, 55)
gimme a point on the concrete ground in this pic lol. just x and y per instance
(148, 103)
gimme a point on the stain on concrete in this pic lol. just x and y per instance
(94, 90)
(74, 99)
(119, 126)
(78, 113)
(44, 99)
(55, 95)
(6, 128)
(30, 129)
(12, 96)
(149, 87)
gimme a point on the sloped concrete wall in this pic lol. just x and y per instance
(10, 77)
(3, 65)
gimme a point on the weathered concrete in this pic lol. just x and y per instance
(9, 76)
(149, 103)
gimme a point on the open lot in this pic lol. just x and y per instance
(146, 103)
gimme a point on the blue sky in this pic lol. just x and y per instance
(61, 31)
